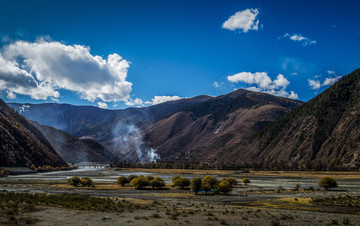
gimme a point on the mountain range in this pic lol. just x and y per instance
(176, 129)
(239, 127)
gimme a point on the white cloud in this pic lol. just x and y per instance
(261, 79)
(314, 84)
(243, 20)
(162, 99)
(331, 72)
(330, 81)
(42, 68)
(317, 84)
(299, 38)
(16, 80)
(11, 95)
(263, 83)
(293, 95)
(136, 102)
(102, 105)
(218, 85)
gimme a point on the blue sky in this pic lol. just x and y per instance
(118, 54)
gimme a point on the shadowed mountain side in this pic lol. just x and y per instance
(321, 130)
(21, 144)
(96, 122)
(73, 149)
(217, 123)
(175, 128)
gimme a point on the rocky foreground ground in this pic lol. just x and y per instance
(245, 205)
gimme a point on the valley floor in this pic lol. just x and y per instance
(253, 204)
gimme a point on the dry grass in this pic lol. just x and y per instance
(98, 186)
(283, 203)
(302, 174)
(309, 174)
(172, 195)
(181, 171)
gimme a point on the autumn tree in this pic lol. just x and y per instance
(246, 181)
(210, 181)
(122, 180)
(224, 186)
(131, 177)
(74, 181)
(139, 182)
(327, 183)
(87, 182)
(181, 182)
(157, 182)
(231, 180)
(195, 184)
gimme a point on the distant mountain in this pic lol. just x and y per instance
(97, 122)
(198, 132)
(176, 129)
(73, 149)
(21, 144)
(320, 131)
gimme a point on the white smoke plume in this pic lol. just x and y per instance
(129, 140)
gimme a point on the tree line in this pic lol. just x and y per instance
(302, 165)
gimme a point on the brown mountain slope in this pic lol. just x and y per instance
(73, 149)
(200, 132)
(21, 144)
(323, 129)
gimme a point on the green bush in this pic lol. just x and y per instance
(231, 180)
(195, 184)
(122, 180)
(246, 180)
(87, 182)
(210, 181)
(182, 182)
(157, 182)
(224, 186)
(139, 182)
(149, 177)
(75, 181)
(131, 177)
(327, 183)
(174, 178)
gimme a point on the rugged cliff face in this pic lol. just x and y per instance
(21, 144)
(321, 130)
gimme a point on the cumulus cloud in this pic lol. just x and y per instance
(134, 102)
(243, 20)
(11, 95)
(162, 99)
(263, 83)
(261, 79)
(316, 84)
(42, 68)
(15, 80)
(299, 38)
(102, 105)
